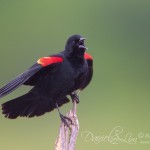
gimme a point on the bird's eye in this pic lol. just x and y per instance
(73, 42)
(76, 41)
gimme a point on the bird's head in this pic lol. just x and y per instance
(75, 46)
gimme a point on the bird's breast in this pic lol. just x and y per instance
(63, 80)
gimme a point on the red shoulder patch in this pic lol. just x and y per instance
(87, 56)
(45, 61)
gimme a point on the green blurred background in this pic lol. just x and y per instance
(118, 38)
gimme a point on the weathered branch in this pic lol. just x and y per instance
(68, 135)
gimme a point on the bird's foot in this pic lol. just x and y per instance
(67, 121)
(75, 97)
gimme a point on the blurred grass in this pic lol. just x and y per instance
(117, 35)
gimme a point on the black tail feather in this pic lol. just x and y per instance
(29, 105)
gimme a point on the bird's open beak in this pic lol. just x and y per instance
(82, 46)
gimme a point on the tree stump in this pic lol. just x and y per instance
(68, 135)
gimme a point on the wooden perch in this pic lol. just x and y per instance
(68, 135)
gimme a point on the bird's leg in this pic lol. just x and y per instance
(74, 96)
(63, 118)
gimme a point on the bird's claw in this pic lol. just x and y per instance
(64, 120)
(75, 97)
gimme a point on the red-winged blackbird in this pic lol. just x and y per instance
(53, 78)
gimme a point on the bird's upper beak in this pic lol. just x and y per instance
(82, 39)
(82, 45)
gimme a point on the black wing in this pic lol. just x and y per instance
(39, 75)
(30, 76)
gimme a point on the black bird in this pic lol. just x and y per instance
(53, 78)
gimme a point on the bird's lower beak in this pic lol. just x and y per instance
(83, 47)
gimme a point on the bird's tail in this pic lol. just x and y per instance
(29, 105)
